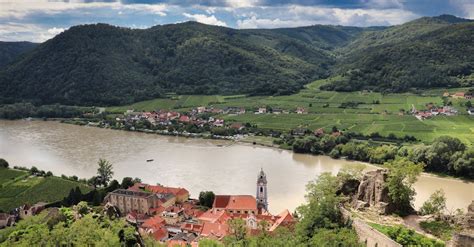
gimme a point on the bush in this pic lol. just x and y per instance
(438, 228)
(3, 163)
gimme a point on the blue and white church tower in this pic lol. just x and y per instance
(262, 198)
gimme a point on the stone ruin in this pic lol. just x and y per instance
(370, 192)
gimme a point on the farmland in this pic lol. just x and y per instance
(369, 111)
(18, 188)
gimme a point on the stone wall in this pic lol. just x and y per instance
(371, 237)
(367, 234)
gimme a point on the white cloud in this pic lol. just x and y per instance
(211, 20)
(296, 15)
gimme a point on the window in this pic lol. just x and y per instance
(261, 189)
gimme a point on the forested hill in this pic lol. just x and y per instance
(106, 65)
(425, 53)
(9, 51)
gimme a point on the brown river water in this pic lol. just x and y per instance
(196, 164)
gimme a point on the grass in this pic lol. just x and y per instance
(438, 228)
(30, 190)
(375, 112)
(405, 236)
(7, 175)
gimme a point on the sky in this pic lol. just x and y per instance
(40, 20)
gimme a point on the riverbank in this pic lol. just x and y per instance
(194, 163)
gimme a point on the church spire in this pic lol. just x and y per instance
(262, 198)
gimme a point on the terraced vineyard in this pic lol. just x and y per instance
(368, 112)
(18, 188)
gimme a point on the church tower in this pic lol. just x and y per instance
(262, 202)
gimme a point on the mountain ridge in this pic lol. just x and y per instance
(101, 64)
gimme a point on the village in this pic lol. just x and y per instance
(171, 217)
(433, 110)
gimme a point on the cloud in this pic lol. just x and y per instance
(294, 16)
(211, 20)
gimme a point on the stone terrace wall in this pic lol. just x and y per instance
(367, 234)
(372, 237)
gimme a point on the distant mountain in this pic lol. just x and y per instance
(9, 51)
(425, 53)
(103, 64)
(106, 65)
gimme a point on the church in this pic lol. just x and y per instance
(245, 204)
(252, 209)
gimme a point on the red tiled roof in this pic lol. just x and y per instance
(214, 230)
(197, 228)
(154, 222)
(235, 202)
(160, 189)
(284, 218)
(214, 216)
(160, 233)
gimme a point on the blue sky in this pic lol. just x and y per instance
(39, 20)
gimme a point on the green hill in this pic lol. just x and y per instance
(103, 64)
(107, 65)
(9, 51)
(425, 53)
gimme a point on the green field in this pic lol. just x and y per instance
(375, 112)
(18, 188)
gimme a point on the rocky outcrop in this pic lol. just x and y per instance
(372, 192)
(465, 238)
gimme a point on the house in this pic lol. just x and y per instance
(201, 109)
(261, 110)
(184, 119)
(235, 204)
(468, 96)
(181, 194)
(446, 94)
(214, 216)
(27, 211)
(138, 201)
(6, 220)
(183, 239)
(458, 95)
(218, 123)
(214, 230)
(301, 110)
(319, 132)
(173, 214)
(423, 115)
(470, 111)
(237, 126)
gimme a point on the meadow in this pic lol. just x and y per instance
(18, 188)
(368, 111)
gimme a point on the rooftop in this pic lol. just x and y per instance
(237, 202)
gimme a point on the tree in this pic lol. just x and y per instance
(3, 163)
(206, 198)
(82, 208)
(468, 104)
(435, 204)
(403, 174)
(127, 182)
(104, 171)
(335, 237)
(238, 229)
(321, 209)
(34, 170)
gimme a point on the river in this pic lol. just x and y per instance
(196, 164)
